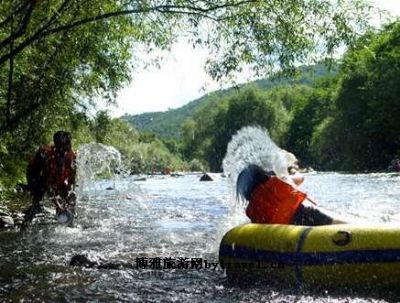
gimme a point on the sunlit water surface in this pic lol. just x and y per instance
(176, 217)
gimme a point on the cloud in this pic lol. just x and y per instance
(180, 78)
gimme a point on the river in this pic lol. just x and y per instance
(167, 222)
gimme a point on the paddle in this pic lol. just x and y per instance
(313, 202)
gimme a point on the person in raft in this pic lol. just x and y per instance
(277, 200)
(52, 171)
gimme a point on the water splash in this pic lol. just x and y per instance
(94, 160)
(253, 145)
(250, 145)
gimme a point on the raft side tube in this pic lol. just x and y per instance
(335, 255)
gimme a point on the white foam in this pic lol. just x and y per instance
(253, 145)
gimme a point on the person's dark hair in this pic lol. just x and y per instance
(248, 179)
(62, 138)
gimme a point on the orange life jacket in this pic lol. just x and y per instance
(58, 173)
(274, 201)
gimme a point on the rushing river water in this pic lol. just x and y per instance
(175, 219)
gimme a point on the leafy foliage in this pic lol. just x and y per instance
(367, 108)
(153, 157)
(345, 122)
(312, 106)
(209, 132)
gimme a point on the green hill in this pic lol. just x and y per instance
(168, 124)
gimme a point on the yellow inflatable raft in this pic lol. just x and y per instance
(334, 255)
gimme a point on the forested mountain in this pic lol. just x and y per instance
(168, 124)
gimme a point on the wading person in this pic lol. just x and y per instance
(52, 172)
(277, 200)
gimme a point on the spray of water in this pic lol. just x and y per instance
(250, 145)
(253, 145)
(96, 159)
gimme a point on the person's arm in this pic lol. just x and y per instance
(297, 178)
(57, 204)
(294, 180)
(294, 175)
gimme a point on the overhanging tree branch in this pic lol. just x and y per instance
(36, 36)
(15, 120)
(165, 9)
(12, 122)
(16, 11)
(22, 28)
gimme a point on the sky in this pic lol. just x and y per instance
(181, 78)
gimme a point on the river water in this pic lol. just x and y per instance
(167, 222)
